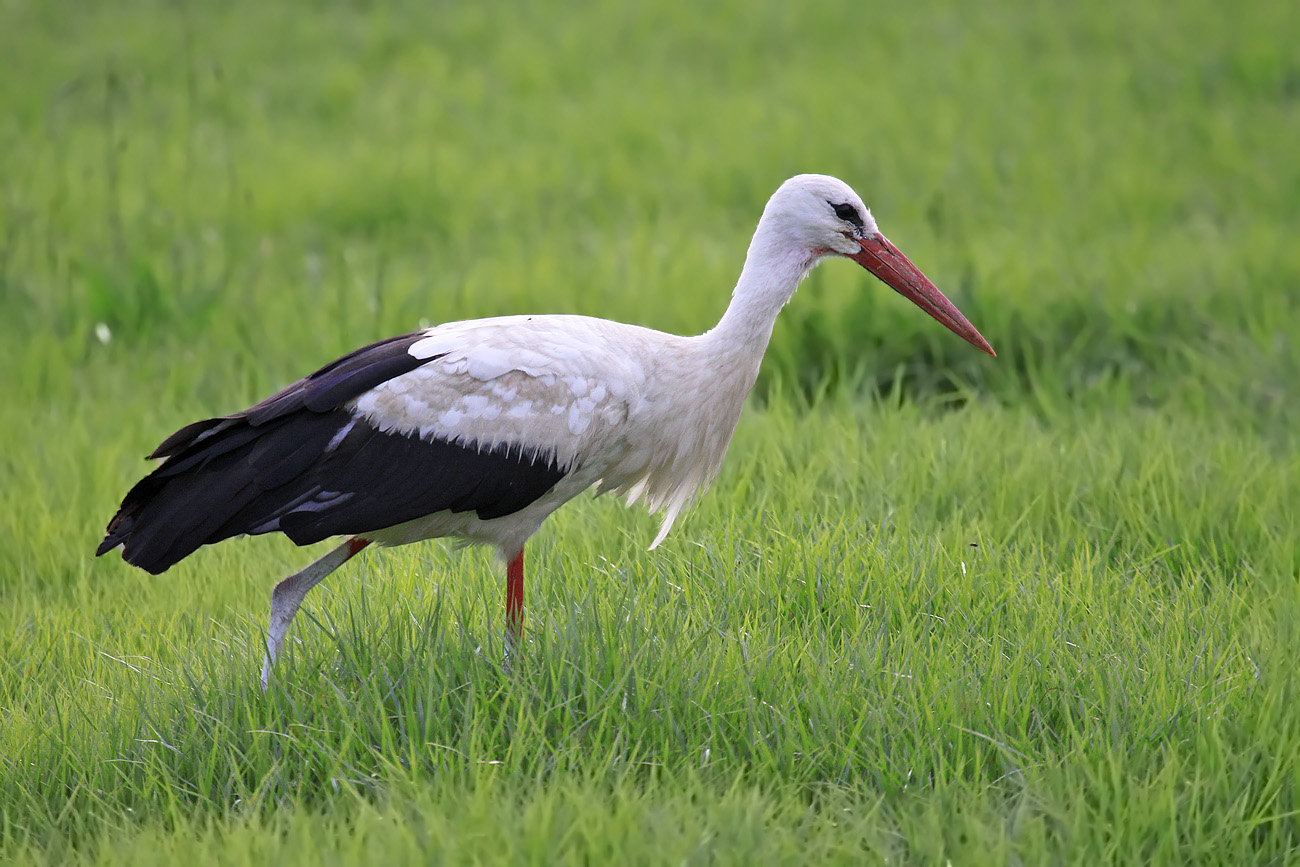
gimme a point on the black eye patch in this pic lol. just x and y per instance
(847, 212)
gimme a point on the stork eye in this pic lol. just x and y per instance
(848, 213)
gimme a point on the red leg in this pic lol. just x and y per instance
(515, 600)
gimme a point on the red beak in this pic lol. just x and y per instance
(897, 271)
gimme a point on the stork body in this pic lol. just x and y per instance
(479, 430)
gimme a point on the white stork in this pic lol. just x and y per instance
(479, 430)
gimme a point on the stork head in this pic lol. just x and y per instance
(822, 216)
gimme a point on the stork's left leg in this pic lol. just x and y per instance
(289, 593)
(514, 603)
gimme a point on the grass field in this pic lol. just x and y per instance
(938, 608)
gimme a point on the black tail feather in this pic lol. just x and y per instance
(300, 463)
(311, 476)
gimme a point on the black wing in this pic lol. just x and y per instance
(301, 464)
(328, 388)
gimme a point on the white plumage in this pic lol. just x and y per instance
(513, 416)
(635, 411)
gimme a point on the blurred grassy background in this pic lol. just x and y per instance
(201, 202)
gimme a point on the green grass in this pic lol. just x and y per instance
(938, 607)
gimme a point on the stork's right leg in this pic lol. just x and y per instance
(289, 593)
(514, 606)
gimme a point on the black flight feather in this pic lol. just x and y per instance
(299, 463)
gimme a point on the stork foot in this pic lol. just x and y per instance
(289, 593)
